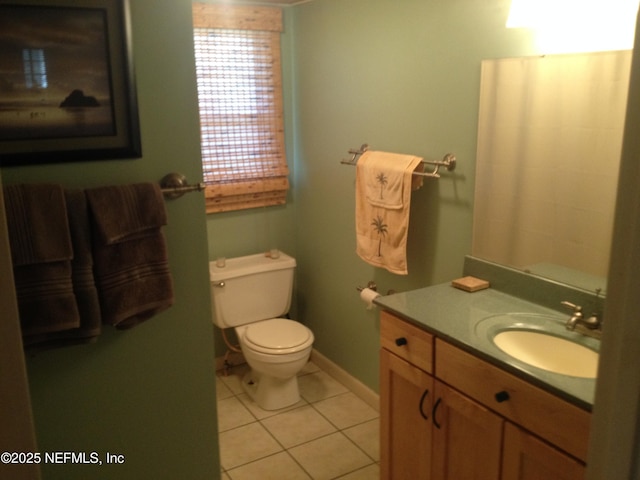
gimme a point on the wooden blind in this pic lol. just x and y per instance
(238, 67)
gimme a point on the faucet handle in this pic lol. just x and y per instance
(575, 308)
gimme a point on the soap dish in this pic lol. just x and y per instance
(470, 284)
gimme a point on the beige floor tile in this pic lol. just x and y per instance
(329, 457)
(367, 437)
(222, 391)
(256, 450)
(260, 413)
(276, 467)
(372, 472)
(233, 381)
(246, 444)
(310, 367)
(345, 410)
(232, 414)
(298, 426)
(318, 386)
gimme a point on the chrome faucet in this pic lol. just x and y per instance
(577, 316)
(590, 326)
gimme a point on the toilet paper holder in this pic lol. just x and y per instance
(372, 286)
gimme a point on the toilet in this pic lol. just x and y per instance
(251, 294)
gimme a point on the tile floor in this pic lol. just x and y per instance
(329, 434)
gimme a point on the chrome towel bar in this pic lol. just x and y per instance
(448, 161)
(174, 185)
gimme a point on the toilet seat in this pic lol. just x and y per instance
(277, 336)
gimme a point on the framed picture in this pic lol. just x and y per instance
(67, 86)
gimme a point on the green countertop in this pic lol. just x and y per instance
(453, 315)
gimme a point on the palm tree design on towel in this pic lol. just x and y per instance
(381, 178)
(381, 229)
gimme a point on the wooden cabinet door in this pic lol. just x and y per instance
(467, 438)
(534, 409)
(406, 394)
(526, 457)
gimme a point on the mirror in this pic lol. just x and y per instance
(549, 143)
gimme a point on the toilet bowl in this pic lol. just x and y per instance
(251, 294)
(276, 350)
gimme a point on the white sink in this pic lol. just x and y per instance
(541, 341)
(548, 352)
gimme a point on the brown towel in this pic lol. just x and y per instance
(41, 252)
(131, 264)
(82, 279)
(123, 212)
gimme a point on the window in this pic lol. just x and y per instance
(35, 68)
(238, 69)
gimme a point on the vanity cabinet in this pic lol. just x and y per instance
(405, 429)
(528, 458)
(448, 415)
(466, 437)
(406, 364)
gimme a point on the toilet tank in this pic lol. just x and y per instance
(251, 288)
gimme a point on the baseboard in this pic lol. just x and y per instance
(363, 392)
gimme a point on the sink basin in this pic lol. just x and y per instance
(548, 352)
(542, 341)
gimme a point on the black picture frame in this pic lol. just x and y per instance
(67, 83)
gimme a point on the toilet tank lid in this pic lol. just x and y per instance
(250, 264)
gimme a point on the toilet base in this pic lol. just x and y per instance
(271, 393)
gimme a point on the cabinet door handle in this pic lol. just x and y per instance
(433, 413)
(401, 341)
(502, 396)
(421, 404)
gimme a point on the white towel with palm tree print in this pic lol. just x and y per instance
(383, 200)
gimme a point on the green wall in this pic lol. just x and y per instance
(402, 76)
(147, 393)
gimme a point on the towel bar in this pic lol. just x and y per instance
(174, 185)
(448, 161)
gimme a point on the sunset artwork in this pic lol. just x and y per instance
(54, 73)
